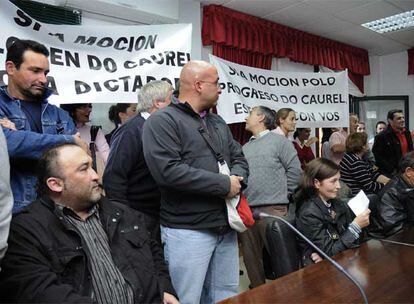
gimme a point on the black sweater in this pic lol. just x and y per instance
(126, 178)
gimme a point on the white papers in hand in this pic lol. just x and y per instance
(359, 203)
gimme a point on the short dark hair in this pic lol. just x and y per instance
(114, 110)
(16, 50)
(71, 108)
(380, 122)
(48, 166)
(269, 116)
(391, 113)
(299, 130)
(355, 142)
(406, 162)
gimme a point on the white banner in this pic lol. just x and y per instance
(100, 64)
(319, 99)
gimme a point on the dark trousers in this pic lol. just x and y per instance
(152, 223)
(254, 240)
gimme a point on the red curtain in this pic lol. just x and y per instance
(410, 61)
(235, 30)
(248, 58)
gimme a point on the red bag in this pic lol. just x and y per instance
(245, 212)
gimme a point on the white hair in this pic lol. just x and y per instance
(153, 90)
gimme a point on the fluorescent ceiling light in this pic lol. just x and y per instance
(391, 23)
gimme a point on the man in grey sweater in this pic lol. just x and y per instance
(274, 174)
(6, 197)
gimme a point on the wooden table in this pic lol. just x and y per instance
(385, 271)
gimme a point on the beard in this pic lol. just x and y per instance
(34, 93)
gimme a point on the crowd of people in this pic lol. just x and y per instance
(154, 227)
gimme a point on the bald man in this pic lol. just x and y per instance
(200, 247)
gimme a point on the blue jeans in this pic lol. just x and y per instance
(203, 265)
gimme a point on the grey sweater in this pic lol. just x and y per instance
(274, 169)
(6, 197)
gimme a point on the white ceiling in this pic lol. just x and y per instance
(339, 20)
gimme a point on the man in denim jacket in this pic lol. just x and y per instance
(30, 124)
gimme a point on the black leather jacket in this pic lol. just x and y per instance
(387, 150)
(395, 207)
(47, 261)
(329, 234)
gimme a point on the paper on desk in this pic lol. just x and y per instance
(359, 203)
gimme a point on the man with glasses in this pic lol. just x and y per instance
(31, 125)
(199, 245)
(392, 144)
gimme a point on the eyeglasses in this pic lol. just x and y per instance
(216, 83)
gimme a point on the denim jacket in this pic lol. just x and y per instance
(25, 146)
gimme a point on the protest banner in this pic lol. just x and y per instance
(100, 64)
(319, 99)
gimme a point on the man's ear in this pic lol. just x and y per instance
(409, 172)
(261, 118)
(10, 67)
(55, 184)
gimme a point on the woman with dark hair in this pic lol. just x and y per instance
(324, 219)
(356, 172)
(119, 114)
(285, 121)
(80, 113)
(303, 144)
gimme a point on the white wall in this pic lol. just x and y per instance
(389, 77)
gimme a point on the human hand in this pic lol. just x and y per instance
(81, 143)
(5, 122)
(362, 220)
(311, 141)
(383, 179)
(316, 258)
(170, 299)
(235, 186)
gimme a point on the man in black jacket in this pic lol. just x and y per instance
(392, 143)
(73, 246)
(127, 179)
(200, 247)
(396, 203)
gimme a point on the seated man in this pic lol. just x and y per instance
(73, 245)
(396, 204)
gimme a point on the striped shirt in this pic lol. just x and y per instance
(109, 286)
(359, 174)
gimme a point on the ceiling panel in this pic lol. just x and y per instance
(324, 24)
(369, 12)
(405, 37)
(337, 6)
(405, 5)
(295, 15)
(261, 7)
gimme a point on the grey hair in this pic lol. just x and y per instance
(154, 90)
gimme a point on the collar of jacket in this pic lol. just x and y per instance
(7, 97)
(391, 130)
(186, 107)
(337, 206)
(109, 214)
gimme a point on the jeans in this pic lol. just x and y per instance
(204, 266)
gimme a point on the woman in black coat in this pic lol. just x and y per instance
(324, 219)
